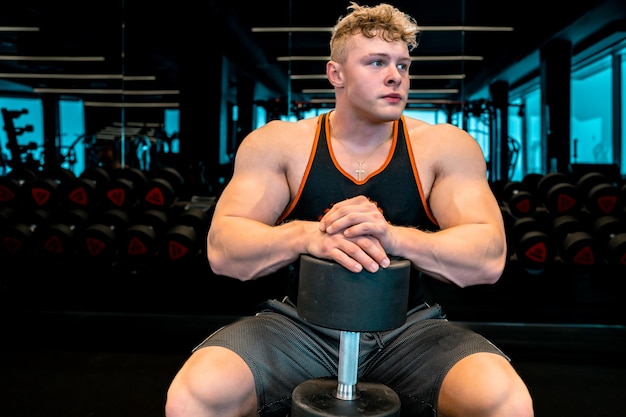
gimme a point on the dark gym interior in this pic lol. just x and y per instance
(105, 285)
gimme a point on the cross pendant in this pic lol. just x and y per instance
(359, 171)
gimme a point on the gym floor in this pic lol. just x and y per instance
(117, 357)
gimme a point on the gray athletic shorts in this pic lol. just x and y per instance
(283, 351)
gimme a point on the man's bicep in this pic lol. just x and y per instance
(257, 196)
(257, 189)
(463, 199)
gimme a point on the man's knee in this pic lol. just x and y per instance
(484, 384)
(213, 382)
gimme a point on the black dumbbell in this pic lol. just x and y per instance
(139, 241)
(124, 189)
(162, 189)
(17, 236)
(601, 196)
(577, 247)
(559, 194)
(605, 227)
(531, 180)
(610, 231)
(519, 199)
(531, 245)
(85, 191)
(185, 238)
(58, 239)
(11, 186)
(100, 240)
(616, 253)
(342, 301)
(43, 192)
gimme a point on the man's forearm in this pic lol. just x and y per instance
(246, 249)
(464, 255)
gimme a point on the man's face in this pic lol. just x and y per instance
(376, 74)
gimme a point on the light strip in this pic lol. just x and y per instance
(413, 58)
(303, 58)
(19, 29)
(140, 124)
(438, 77)
(421, 28)
(79, 76)
(50, 58)
(104, 91)
(432, 101)
(308, 77)
(124, 105)
(412, 77)
(412, 91)
(466, 28)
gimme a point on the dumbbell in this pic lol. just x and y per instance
(519, 199)
(616, 252)
(531, 180)
(11, 186)
(17, 236)
(139, 241)
(610, 231)
(123, 190)
(85, 192)
(185, 238)
(577, 247)
(332, 297)
(531, 244)
(559, 194)
(99, 240)
(58, 239)
(162, 189)
(601, 196)
(42, 192)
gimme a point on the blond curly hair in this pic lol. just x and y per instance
(382, 20)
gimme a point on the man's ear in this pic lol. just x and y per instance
(333, 73)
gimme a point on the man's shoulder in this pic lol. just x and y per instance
(284, 135)
(421, 128)
(300, 125)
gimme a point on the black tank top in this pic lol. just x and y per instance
(395, 187)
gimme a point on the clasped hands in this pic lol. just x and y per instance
(355, 235)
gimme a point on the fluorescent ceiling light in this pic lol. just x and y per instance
(303, 58)
(431, 101)
(105, 91)
(139, 124)
(78, 76)
(19, 29)
(126, 105)
(438, 77)
(50, 58)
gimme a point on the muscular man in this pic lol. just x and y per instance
(357, 185)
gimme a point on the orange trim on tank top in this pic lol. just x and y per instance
(305, 176)
(416, 175)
